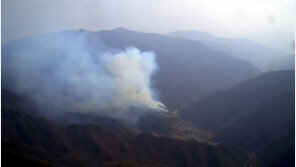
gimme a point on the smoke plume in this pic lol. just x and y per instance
(67, 72)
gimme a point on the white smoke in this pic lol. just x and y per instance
(132, 72)
(66, 72)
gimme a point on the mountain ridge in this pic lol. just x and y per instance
(175, 57)
(264, 58)
(257, 114)
(35, 141)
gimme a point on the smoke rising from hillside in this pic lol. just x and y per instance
(67, 72)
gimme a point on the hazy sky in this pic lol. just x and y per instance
(271, 22)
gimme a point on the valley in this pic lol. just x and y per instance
(223, 111)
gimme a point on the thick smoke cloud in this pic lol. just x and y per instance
(69, 73)
(131, 71)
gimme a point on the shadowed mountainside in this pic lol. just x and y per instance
(32, 141)
(257, 114)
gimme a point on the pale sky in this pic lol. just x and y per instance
(271, 22)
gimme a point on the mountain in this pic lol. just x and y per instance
(287, 62)
(261, 57)
(199, 69)
(28, 140)
(172, 126)
(257, 114)
(188, 70)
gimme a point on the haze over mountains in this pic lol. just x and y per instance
(187, 69)
(261, 57)
(223, 109)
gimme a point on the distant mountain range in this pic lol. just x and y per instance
(188, 70)
(261, 57)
